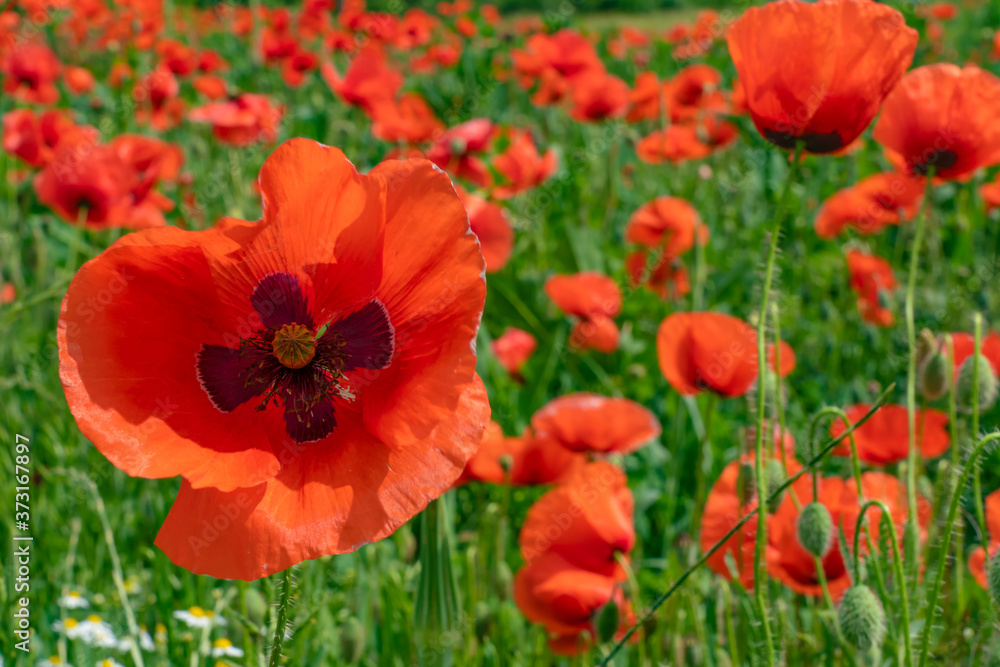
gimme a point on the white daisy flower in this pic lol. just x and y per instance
(71, 628)
(222, 647)
(196, 617)
(133, 585)
(109, 662)
(94, 631)
(73, 600)
(54, 661)
(145, 641)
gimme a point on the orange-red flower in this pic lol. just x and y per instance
(34, 139)
(369, 80)
(964, 344)
(156, 98)
(408, 119)
(530, 460)
(521, 165)
(513, 349)
(598, 96)
(30, 72)
(211, 86)
(490, 225)
(196, 354)
(554, 62)
(241, 121)
(704, 350)
(848, 56)
(691, 91)
(571, 540)
(678, 143)
(670, 223)
(978, 557)
(457, 150)
(871, 278)
(884, 438)
(586, 422)
(88, 184)
(594, 299)
(295, 67)
(942, 116)
(78, 79)
(869, 205)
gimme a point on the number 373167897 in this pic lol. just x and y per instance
(22, 475)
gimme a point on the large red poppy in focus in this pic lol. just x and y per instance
(818, 73)
(884, 438)
(311, 376)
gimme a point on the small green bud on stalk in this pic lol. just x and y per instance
(993, 577)
(774, 477)
(607, 621)
(976, 371)
(815, 529)
(862, 619)
(933, 376)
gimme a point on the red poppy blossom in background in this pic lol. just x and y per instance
(669, 223)
(870, 204)
(283, 367)
(513, 348)
(554, 62)
(490, 225)
(521, 165)
(211, 86)
(884, 438)
(704, 350)
(78, 79)
(157, 102)
(871, 277)
(678, 143)
(942, 116)
(585, 422)
(979, 557)
(530, 460)
(848, 55)
(30, 71)
(408, 119)
(691, 90)
(241, 121)
(964, 344)
(34, 139)
(457, 150)
(594, 299)
(89, 186)
(369, 80)
(597, 97)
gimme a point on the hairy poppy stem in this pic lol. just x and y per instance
(956, 500)
(911, 372)
(808, 465)
(955, 461)
(977, 489)
(897, 564)
(760, 589)
(284, 600)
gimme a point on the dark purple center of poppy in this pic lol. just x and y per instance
(938, 159)
(813, 142)
(291, 363)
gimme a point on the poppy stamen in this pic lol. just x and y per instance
(294, 346)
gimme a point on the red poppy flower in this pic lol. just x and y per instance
(34, 139)
(241, 121)
(211, 86)
(884, 438)
(30, 71)
(586, 422)
(210, 62)
(554, 61)
(871, 277)
(665, 276)
(91, 186)
(176, 56)
(531, 460)
(871, 204)
(953, 131)
(120, 72)
(978, 558)
(678, 143)
(565, 599)
(689, 92)
(295, 67)
(456, 150)
(283, 367)
(151, 161)
(669, 223)
(513, 349)
(592, 298)
(990, 192)
(521, 165)
(409, 119)
(645, 99)
(586, 521)
(848, 56)
(368, 82)
(710, 351)
(157, 101)
(490, 225)
(598, 96)
(78, 79)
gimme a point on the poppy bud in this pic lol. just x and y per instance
(774, 477)
(505, 581)
(506, 462)
(256, 606)
(933, 377)
(926, 344)
(986, 381)
(746, 483)
(607, 621)
(815, 529)
(862, 619)
(352, 640)
(993, 577)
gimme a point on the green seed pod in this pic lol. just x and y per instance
(815, 529)
(352, 640)
(256, 606)
(746, 483)
(933, 376)
(607, 621)
(987, 381)
(993, 577)
(774, 477)
(862, 619)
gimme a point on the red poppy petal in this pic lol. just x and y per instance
(673, 346)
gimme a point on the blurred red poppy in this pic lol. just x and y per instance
(530, 460)
(211, 86)
(678, 143)
(942, 116)
(884, 438)
(490, 225)
(408, 119)
(369, 81)
(393, 425)
(978, 557)
(594, 299)
(869, 205)
(871, 279)
(586, 422)
(457, 150)
(78, 79)
(513, 349)
(34, 139)
(241, 121)
(848, 56)
(667, 223)
(521, 165)
(88, 185)
(598, 96)
(964, 344)
(30, 72)
(554, 61)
